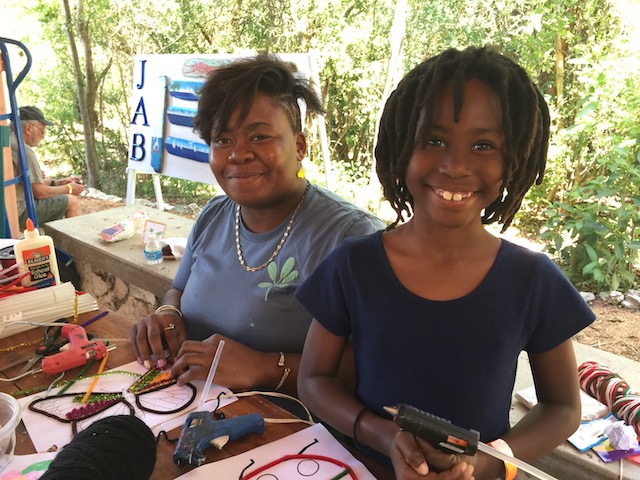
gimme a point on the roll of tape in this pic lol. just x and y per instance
(7, 257)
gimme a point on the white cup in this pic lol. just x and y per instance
(10, 415)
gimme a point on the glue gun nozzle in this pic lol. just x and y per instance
(391, 410)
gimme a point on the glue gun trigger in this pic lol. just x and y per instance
(220, 442)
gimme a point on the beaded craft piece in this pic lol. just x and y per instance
(149, 393)
(608, 387)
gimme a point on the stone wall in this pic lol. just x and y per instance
(111, 292)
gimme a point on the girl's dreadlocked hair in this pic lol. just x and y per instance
(237, 84)
(525, 123)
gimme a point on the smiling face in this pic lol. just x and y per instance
(256, 160)
(459, 170)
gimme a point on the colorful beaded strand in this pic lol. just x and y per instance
(609, 388)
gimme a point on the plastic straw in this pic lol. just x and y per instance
(41, 305)
(212, 372)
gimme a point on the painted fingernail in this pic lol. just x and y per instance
(147, 364)
(162, 363)
(139, 359)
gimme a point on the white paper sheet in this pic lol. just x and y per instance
(319, 442)
(46, 432)
(27, 467)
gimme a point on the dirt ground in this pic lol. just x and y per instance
(616, 329)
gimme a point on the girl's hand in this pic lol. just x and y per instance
(412, 456)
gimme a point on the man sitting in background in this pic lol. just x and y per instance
(54, 199)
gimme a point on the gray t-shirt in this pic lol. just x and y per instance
(258, 308)
(35, 172)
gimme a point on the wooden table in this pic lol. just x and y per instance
(124, 259)
(116, 326)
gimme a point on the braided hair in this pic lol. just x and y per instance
(237, 84)
(525, 123)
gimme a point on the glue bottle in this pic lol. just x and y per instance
(37, 257)
(153, 250)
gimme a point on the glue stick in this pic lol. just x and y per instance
(36, 256)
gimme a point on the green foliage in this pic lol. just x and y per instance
(594, 224)
(583, 54)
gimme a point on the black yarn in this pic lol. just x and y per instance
(120, 447)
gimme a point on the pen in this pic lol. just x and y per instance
(93, 319)
(95, 380)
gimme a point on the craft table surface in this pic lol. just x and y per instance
(114, 325)
(124, 259)
(566, 462)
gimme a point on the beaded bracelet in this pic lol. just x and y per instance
(170, 308)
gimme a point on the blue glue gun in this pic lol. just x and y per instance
(200, 431)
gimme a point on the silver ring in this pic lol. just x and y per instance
(171, 326)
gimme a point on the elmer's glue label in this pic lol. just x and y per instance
(37, 257)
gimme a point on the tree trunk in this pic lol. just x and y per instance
(560, 48)
(84, 94)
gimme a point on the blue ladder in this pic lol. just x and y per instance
(14, 116)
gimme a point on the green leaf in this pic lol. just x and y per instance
(615, 282)
(272, 270)
(289, 278)
(598, 276)
(287, 267)
(265, 284)
(558, 243)
(617, 248)
(587, 109)
(591, 253)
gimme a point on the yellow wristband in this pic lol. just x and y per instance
(510, 469)
(70, 188)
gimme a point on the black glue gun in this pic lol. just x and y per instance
(200, 431)
(450, 438)
(437, 431)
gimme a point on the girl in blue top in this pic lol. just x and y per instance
(438, 308)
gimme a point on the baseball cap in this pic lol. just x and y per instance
(33, 113)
